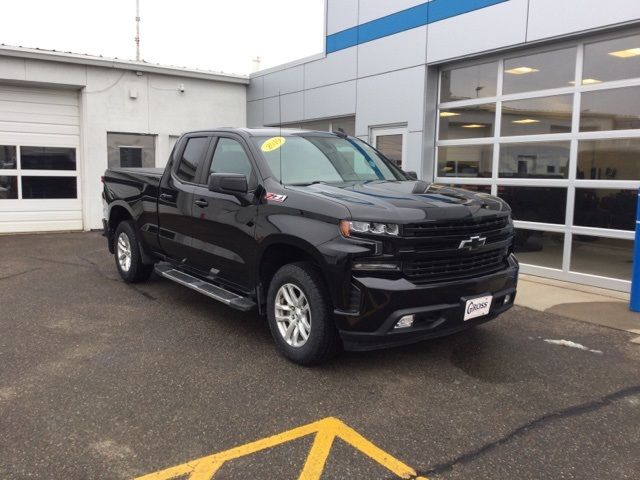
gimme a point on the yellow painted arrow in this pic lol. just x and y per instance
(326, 431)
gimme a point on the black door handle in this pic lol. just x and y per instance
(166, 196)
(202, 203)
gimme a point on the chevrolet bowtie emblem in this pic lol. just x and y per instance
(473, 243)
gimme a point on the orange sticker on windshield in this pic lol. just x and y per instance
(272, 144)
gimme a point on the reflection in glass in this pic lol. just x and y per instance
(348, 125)
(49, 187)
(8, 188)
(537, 116)
(607, 257)
(543, 249)
(391, 147)
(536, 204)
(47, 158)
(612, 60)
(472, 188)
(534, 160)
(467, 161)
(605, 208)
(468, 122)
(540, 71)
(615, 109)
(617, 159)
(466, 83)
(8, 157)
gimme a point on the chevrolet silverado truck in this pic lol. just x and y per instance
(317, 231)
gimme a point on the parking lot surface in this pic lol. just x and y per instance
(103, 380)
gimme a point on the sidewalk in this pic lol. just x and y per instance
(608, 308)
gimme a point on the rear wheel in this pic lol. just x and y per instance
(300, 315)
(128, 256)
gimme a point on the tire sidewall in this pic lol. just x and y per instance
(319, 308)
(136, 260)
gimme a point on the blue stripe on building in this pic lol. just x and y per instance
(423, 14)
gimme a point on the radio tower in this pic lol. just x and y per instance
(137, 30)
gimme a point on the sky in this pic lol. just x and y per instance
(219, 35)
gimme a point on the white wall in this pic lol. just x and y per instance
(105, 105)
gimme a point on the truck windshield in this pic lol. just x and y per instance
(303, 160)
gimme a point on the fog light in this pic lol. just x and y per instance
(372, 266)
(405, 321)
(507, 299)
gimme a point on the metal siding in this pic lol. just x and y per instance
(391, 53)
(487, 29)
(392, 98)
(341, 14)
(374, 9)
(338, 67)
(285, 81)
(331, 101)
(551, 18)
(283, 109)
(255, 113)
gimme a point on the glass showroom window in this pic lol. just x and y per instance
(556, 133)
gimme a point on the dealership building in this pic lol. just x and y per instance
(65, 117)
(536, 101)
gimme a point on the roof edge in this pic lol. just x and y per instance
(80, 59)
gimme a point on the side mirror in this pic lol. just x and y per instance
(411, 175)
(229, 183)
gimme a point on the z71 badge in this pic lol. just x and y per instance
(274, 197)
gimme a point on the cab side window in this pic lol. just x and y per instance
(192, 157)
(230, 157)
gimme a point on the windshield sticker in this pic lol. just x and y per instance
(272, 144)
(274, 197)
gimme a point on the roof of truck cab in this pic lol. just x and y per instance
(269, 131)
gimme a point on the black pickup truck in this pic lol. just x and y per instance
(319, 232)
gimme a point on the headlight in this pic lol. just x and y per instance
(348, 227)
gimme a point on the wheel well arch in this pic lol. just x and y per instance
(280, 254)
(117, 215)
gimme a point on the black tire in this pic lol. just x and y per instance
(323, 341)
(138, 271)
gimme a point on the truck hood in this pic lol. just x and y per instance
(406, 201)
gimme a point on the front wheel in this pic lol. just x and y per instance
(300, 315)
(128, 255)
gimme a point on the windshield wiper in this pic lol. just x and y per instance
(315, 182)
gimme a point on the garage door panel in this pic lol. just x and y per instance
(45, 199)
(40, 226)
(45, 128)
(27, 138)
(32, 95)
(38, 118)
(40, 108)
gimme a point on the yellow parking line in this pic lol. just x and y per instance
(326, 431)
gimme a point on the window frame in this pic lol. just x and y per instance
(577, 89)
(178, 159)
(203, 177)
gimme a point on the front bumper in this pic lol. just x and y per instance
(438, 308)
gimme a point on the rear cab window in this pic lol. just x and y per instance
(192, 156)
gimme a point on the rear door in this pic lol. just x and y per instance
(175, 201)
(223, 227)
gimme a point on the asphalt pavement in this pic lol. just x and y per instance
(103, 380)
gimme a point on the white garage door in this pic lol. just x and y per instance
(39, 160)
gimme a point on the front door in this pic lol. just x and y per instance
(392, 143)
(223, 227)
